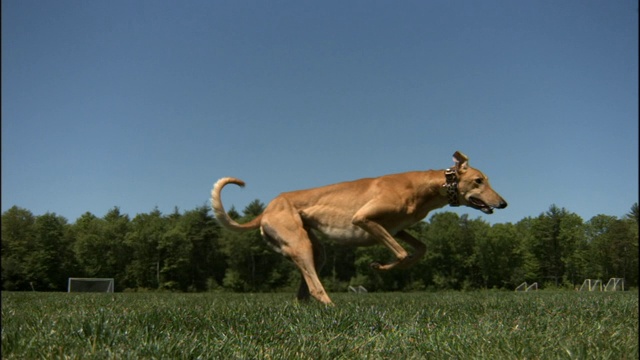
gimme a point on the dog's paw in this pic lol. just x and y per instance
(376, 265)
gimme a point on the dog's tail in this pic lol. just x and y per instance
(223, 218)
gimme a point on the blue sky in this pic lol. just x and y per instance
(145, 104)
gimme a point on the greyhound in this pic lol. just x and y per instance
(362, 212)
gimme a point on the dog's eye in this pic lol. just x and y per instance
(479, 181)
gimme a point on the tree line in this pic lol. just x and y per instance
(190, 252)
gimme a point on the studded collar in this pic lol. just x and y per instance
(451, 185)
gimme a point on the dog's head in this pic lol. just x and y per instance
(474, 189)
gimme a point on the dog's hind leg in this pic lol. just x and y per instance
(318, 259)
(303, 258)
(284, 227)
(302, 254)
(303, 290)
(271, 237)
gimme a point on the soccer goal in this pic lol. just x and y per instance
(90, 285)
(591, 285)
(532, 287)
(359, 289)
(526, 287)
(615, 284)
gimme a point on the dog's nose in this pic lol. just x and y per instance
(503, 204)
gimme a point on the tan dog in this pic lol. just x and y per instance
(362, 212)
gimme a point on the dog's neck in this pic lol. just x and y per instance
(451, 186)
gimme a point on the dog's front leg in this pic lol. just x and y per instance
(419, 247)
(363, 220)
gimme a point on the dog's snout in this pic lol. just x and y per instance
(503, 204)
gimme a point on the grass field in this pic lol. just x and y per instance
(471, 325)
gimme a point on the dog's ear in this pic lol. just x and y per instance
(461, 162)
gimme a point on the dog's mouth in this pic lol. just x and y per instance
(478, 204)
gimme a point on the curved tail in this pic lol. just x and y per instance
(221, 215)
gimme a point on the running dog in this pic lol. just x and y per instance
(362, 212)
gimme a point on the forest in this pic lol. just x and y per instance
(189, 252)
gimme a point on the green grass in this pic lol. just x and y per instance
(480, 325)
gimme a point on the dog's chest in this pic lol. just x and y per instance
(335, 224)
(349, 235)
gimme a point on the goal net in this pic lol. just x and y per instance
(591, 285)
(90, 285)
(615, 284)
